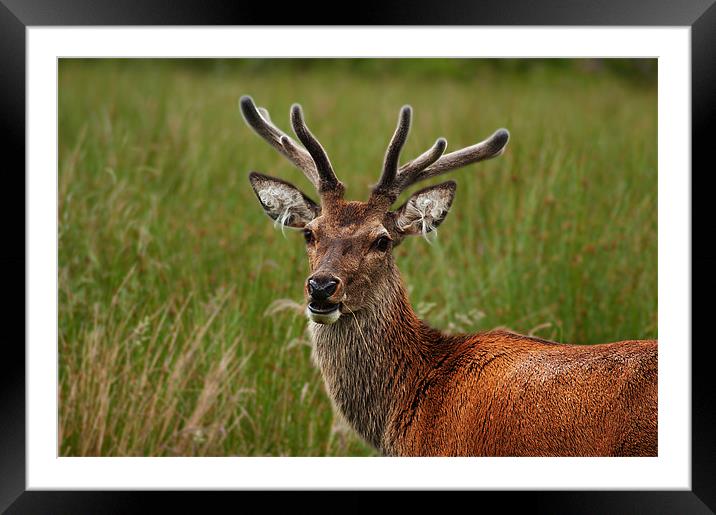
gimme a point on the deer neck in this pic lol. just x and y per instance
(369, 359)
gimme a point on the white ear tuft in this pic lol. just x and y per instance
(425, 210)
(283, 202)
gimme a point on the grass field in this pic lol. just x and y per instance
(177, 334)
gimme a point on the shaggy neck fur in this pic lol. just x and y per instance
(371, 359)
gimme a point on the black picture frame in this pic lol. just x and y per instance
(17, 15)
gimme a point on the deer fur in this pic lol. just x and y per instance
(409, 389)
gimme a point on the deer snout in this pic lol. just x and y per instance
(321, 287)
(321, 309)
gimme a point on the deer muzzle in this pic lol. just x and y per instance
(323, 306)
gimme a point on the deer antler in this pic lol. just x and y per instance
(258, 119)
(432, 162)
(327, 180)
(414, 171)
(390, 164)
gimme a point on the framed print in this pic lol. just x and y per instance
(165, 340)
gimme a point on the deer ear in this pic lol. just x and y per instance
(426, 209)
(283, 202)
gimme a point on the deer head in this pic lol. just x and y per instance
(349, 243)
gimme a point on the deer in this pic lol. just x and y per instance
(408, 389)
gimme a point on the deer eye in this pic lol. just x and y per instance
(381, 244)
(308, 235)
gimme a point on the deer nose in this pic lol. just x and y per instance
(320, 288)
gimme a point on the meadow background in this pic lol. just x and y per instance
(180, 321)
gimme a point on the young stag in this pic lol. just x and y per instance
(408, 389)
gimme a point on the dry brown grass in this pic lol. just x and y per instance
(133, 392)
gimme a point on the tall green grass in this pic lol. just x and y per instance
(171, 339)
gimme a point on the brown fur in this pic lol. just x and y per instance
(410, 390)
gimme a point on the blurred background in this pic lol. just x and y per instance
(181, 330)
